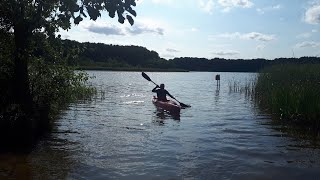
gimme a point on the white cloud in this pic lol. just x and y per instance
(260, 11)
(228, 35)
(268, 8)
(65, 36)
(167, 56)
(248, 36)
(312, 15)
(151, 25)
(194, 29)
(140, 27)
(206, 6)
(228, 4)
(304, 35)
(257, 36)
(171, 50)
(307, 34)
(307, 44)
(104, 28)
(226, 53)
(261, 46)
(277, 6)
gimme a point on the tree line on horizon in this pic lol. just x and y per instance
(99, 55)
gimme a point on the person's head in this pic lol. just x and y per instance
(161, 86)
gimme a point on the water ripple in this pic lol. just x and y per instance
(124, 136)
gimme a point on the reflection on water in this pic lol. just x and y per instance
(14, 166)
(120, 134)
(216, 95)
(162, 115)
(50, 160)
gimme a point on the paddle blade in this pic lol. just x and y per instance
(145, 76)
(184, 105)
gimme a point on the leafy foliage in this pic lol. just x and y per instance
(50, 15)
(6, 70)
(48, 68)
(33, 71)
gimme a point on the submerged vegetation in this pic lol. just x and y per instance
(247, 88)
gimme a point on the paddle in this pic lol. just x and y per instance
(148, 78)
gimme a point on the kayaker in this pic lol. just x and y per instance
(161, 93)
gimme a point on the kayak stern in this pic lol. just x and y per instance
(169, 105)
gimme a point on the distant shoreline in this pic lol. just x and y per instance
(129, 69)
(135, 69)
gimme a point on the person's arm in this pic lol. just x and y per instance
(155, 89)
(170, 95)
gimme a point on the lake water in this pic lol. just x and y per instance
(121, 135)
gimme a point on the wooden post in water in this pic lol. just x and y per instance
(218, 80)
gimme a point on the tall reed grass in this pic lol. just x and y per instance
(247, 87)
(292, 92)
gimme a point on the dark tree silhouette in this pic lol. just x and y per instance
(26, 17)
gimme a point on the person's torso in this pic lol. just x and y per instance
(162, 94)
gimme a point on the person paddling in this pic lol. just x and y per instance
(161, 93)
(144, 75)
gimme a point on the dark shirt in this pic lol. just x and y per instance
(161, 94)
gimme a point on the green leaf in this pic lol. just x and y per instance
(112, 14)
(78, 19)
(133, 12)
(121, 19)
(130, 20)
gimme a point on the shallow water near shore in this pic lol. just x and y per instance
(120, 134)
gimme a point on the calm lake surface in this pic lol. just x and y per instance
(121, 135)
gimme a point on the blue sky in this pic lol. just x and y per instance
(228, 29)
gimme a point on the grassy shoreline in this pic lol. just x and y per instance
(292, 93)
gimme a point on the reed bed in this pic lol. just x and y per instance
(291, 92)
(247, 87)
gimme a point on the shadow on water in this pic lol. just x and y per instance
(162, 115)
(50, 159)
(303, 138)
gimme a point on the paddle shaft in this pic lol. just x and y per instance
(154, 83)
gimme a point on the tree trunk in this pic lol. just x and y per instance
(24, 125)
(22, 93)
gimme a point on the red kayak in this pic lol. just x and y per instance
(169, 105)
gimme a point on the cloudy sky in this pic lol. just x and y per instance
(213, 28)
